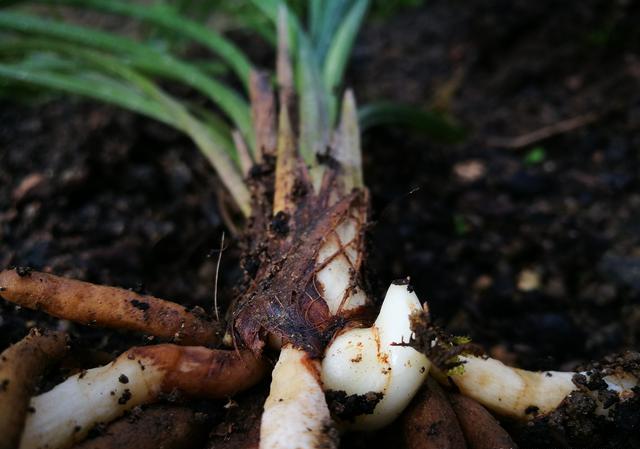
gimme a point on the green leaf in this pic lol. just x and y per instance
(325, 25)
(315, 17)
(136, 93)
(165, 16)
(271, 8)
(314, 118)
(340, 50)
(92, 85)
(430, 123)
(138, 55)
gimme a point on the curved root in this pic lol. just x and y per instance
(65, 414)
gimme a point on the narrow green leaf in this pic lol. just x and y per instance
(271, 8)
(315, 18)
(140, 95)
(89, 85)
(141, 56)
(165, 16)
(205, 138)
(314, 118)
(340, 50)
(430, 123)
(331, 17)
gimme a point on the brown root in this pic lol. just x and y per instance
(201, 372)
(112, 307)
(168, 427)
(21, 366)
(481, 430)
(430, 422)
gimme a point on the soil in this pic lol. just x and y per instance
(533, 252)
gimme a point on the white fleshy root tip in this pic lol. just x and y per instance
(524, 394)
(360, 361)
(296, 415)
(65, 414)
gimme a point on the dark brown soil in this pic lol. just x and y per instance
(536, 258)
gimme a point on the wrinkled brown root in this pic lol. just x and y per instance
(201, 372)
(166, 427)
(481, 430)
(105, 306)
(430, 422)
(21, 366)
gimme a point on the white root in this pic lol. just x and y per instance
(525, 394)
(295, 413)
(360, 361)
(64, 415)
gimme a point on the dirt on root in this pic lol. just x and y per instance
(533, 252)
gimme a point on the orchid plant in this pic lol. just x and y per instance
(288, 153)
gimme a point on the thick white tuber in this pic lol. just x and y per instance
(360, 361)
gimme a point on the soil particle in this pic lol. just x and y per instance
(280, 224)
(97, 430)
(140, 304)
(124, 398)
(348, 407)
(23, 271)
(433, 429)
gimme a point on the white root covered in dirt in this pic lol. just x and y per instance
(65, 414)
(522, 394)
(361, 361)
(295, 413)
